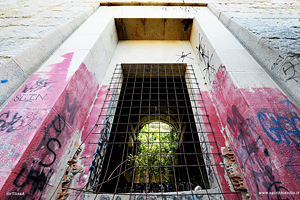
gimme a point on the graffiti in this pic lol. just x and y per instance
(182, 56)
(39, 84)
(4, 81)
(277, 62)
(52, 151)
(253, 153)
(42, 159)
(288, 103)
(9, 126)
(30, 93)
(39, 165)
(70, 109)
(290, 71)
(58, 124)
(37, 178)
(234, 122)
(185, 9)
(29, 97)
(279, 127)
(98, 157)
(206, 57)
(190, 9)
(19, 125)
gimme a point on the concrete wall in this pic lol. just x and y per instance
(61, 102)
(259, 121)
(44, 119)
(30, 31)
(58, 105)
(270, 32)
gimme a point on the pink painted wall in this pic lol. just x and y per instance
(37, 131)
(214, 134)
(37, 127)
(263, 128)
(89, 139)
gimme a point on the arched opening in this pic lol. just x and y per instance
(141, 155)
(156, 154)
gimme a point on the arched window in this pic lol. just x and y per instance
(156, 154)
(154, 143)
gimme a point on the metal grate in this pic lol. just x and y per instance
(132, 161)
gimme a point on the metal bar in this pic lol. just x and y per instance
(163, 93)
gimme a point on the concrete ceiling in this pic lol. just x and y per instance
(154, 70)
(153, 28)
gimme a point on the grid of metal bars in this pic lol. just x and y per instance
(138, 95)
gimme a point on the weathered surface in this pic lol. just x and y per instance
(276, 22)
(39, 126)
(22, 23)
(30, 31)
(270, 31)
(40, 123)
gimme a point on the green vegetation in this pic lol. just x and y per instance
(157, 144)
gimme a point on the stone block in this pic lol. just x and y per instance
(109, 38)
(288, 72)
(224, 18)
(80, 41)
(246, 37)
(238, 60)
(265, 54)
(213, 8)
(234, 27)
(11, 78)
(100, 65)
(29, 59)
(77, 97)
(252, 80)
(90, 29)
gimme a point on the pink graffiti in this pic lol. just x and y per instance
(255, 120)
(38, 124)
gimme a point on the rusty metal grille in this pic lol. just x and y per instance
(181, 165)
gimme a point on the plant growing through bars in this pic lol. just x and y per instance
(155, 157)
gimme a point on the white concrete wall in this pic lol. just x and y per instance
(30, 31)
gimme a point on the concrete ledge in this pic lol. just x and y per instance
(11, 77)
(272, 60)
(23, 65)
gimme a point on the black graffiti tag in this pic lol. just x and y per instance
(36, 177)
(42, 158)
(290, 72)
(258, 158)
(183, 56)
(206, 57)
(10, 126)
(39, 84)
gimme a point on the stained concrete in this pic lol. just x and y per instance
(154, 28)
(30, 30)
(75, 85)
